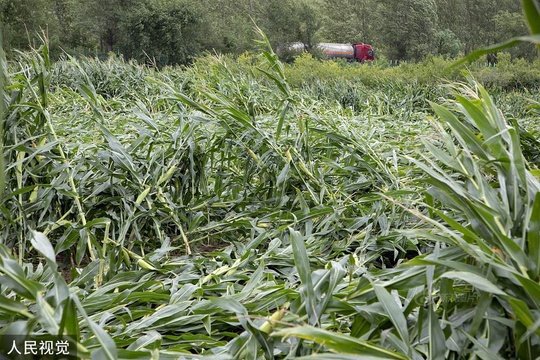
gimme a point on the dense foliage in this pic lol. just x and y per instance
(165, 32)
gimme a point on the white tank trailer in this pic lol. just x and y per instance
(334, 50)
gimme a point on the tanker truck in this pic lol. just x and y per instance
(351, 52)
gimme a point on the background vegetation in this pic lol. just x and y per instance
(176, 31)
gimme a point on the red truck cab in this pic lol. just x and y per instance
(363, 52)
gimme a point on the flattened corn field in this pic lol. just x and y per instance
(230, 210)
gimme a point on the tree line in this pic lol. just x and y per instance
(176, 31)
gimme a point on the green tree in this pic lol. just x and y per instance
(473, 20)
(289, 21)
(510, 24)
(103, 19)
(73, 34)
(408, 28)
(229, 24)
(279, 20)
(447, 44)
(309, 22)
(349, 20)
(24, 21)
(481, 28)
(164, 31)
(452, 15)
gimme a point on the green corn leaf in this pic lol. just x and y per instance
(338, 342)
(150, 338)
(327, 356)
(531, 8)
(532, 288)
(265, 341)
(69, 324)
(533, 234)
(481, 307)
(394, 312)
(329, 282)
(301, 260)
(13, 277)
(284, 109)
(231, 305)
(467, 138)
(107, 349)
(482, 351)
(43, 245)
(475, 280)
(523, 313)
(9, 306)
(45, 315)
(483, 123)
